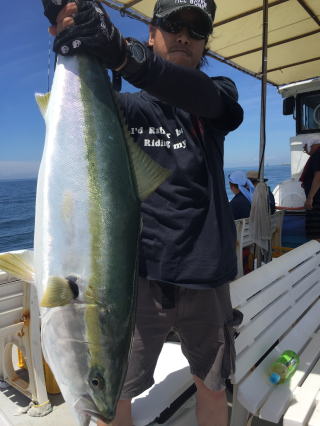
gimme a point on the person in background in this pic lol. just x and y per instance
(310, 182)
(253, 175)
(187, 249)
(243, 190)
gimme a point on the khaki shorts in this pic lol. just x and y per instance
(203, 320)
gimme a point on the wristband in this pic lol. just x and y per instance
(136, 58)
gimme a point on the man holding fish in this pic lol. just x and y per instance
(187, 245)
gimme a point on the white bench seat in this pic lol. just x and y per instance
(315, 417)
(172, 377)
(281, 306)
(270, 401)
(20, 327)
(304, 398)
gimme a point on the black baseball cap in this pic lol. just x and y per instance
(164, 8)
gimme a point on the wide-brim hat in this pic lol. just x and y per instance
(253, 175)
(164, 8)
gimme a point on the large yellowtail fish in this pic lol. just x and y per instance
(91, 180)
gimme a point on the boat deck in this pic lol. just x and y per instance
(12, 402)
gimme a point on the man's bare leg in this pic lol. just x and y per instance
(212, 407)
(123, 414)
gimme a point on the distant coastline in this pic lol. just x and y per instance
(22, 170)
(255, 167)
(17, 179)
(7, 173)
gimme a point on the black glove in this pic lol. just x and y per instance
(92, 33)
(52, 8)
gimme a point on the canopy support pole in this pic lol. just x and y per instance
(263, 90)
(264, 255)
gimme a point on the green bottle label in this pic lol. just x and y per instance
(288, 361)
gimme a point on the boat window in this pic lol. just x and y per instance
(308, 112)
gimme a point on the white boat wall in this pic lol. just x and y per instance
(302, 100)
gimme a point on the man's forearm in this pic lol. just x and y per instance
(185, 88)
(315, 185)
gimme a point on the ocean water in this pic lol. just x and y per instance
(274, 174)
(17, 206)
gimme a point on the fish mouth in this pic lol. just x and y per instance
(86, 406)
(97, 415)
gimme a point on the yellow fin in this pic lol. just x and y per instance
(16, 265)
(148, 173)
(42, 100)
(57, 293)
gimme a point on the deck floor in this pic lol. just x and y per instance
(12, 401)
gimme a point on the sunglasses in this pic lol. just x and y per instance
(175, 27)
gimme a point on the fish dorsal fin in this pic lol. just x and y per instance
(148, 173)
(16, 265)
(42, 100)
(57, 293)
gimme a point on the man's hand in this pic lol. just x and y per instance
(315, 186)
(64, 19)
(84, 27)
(308, 204)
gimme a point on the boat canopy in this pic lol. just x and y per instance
(293, 35)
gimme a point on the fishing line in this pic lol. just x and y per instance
(49, 62)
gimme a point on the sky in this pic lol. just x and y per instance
(25, 45)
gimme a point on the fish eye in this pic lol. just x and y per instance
(97, 382)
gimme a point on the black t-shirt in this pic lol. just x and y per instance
(313, 167)
(240, 206)
(188, 235)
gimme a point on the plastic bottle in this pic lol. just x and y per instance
(284, 367)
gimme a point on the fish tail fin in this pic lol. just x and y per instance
(42, 100)
(17, 265)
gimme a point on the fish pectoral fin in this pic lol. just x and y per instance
(148, 173)
(57, 293)
(42, 100)
(17, 265)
